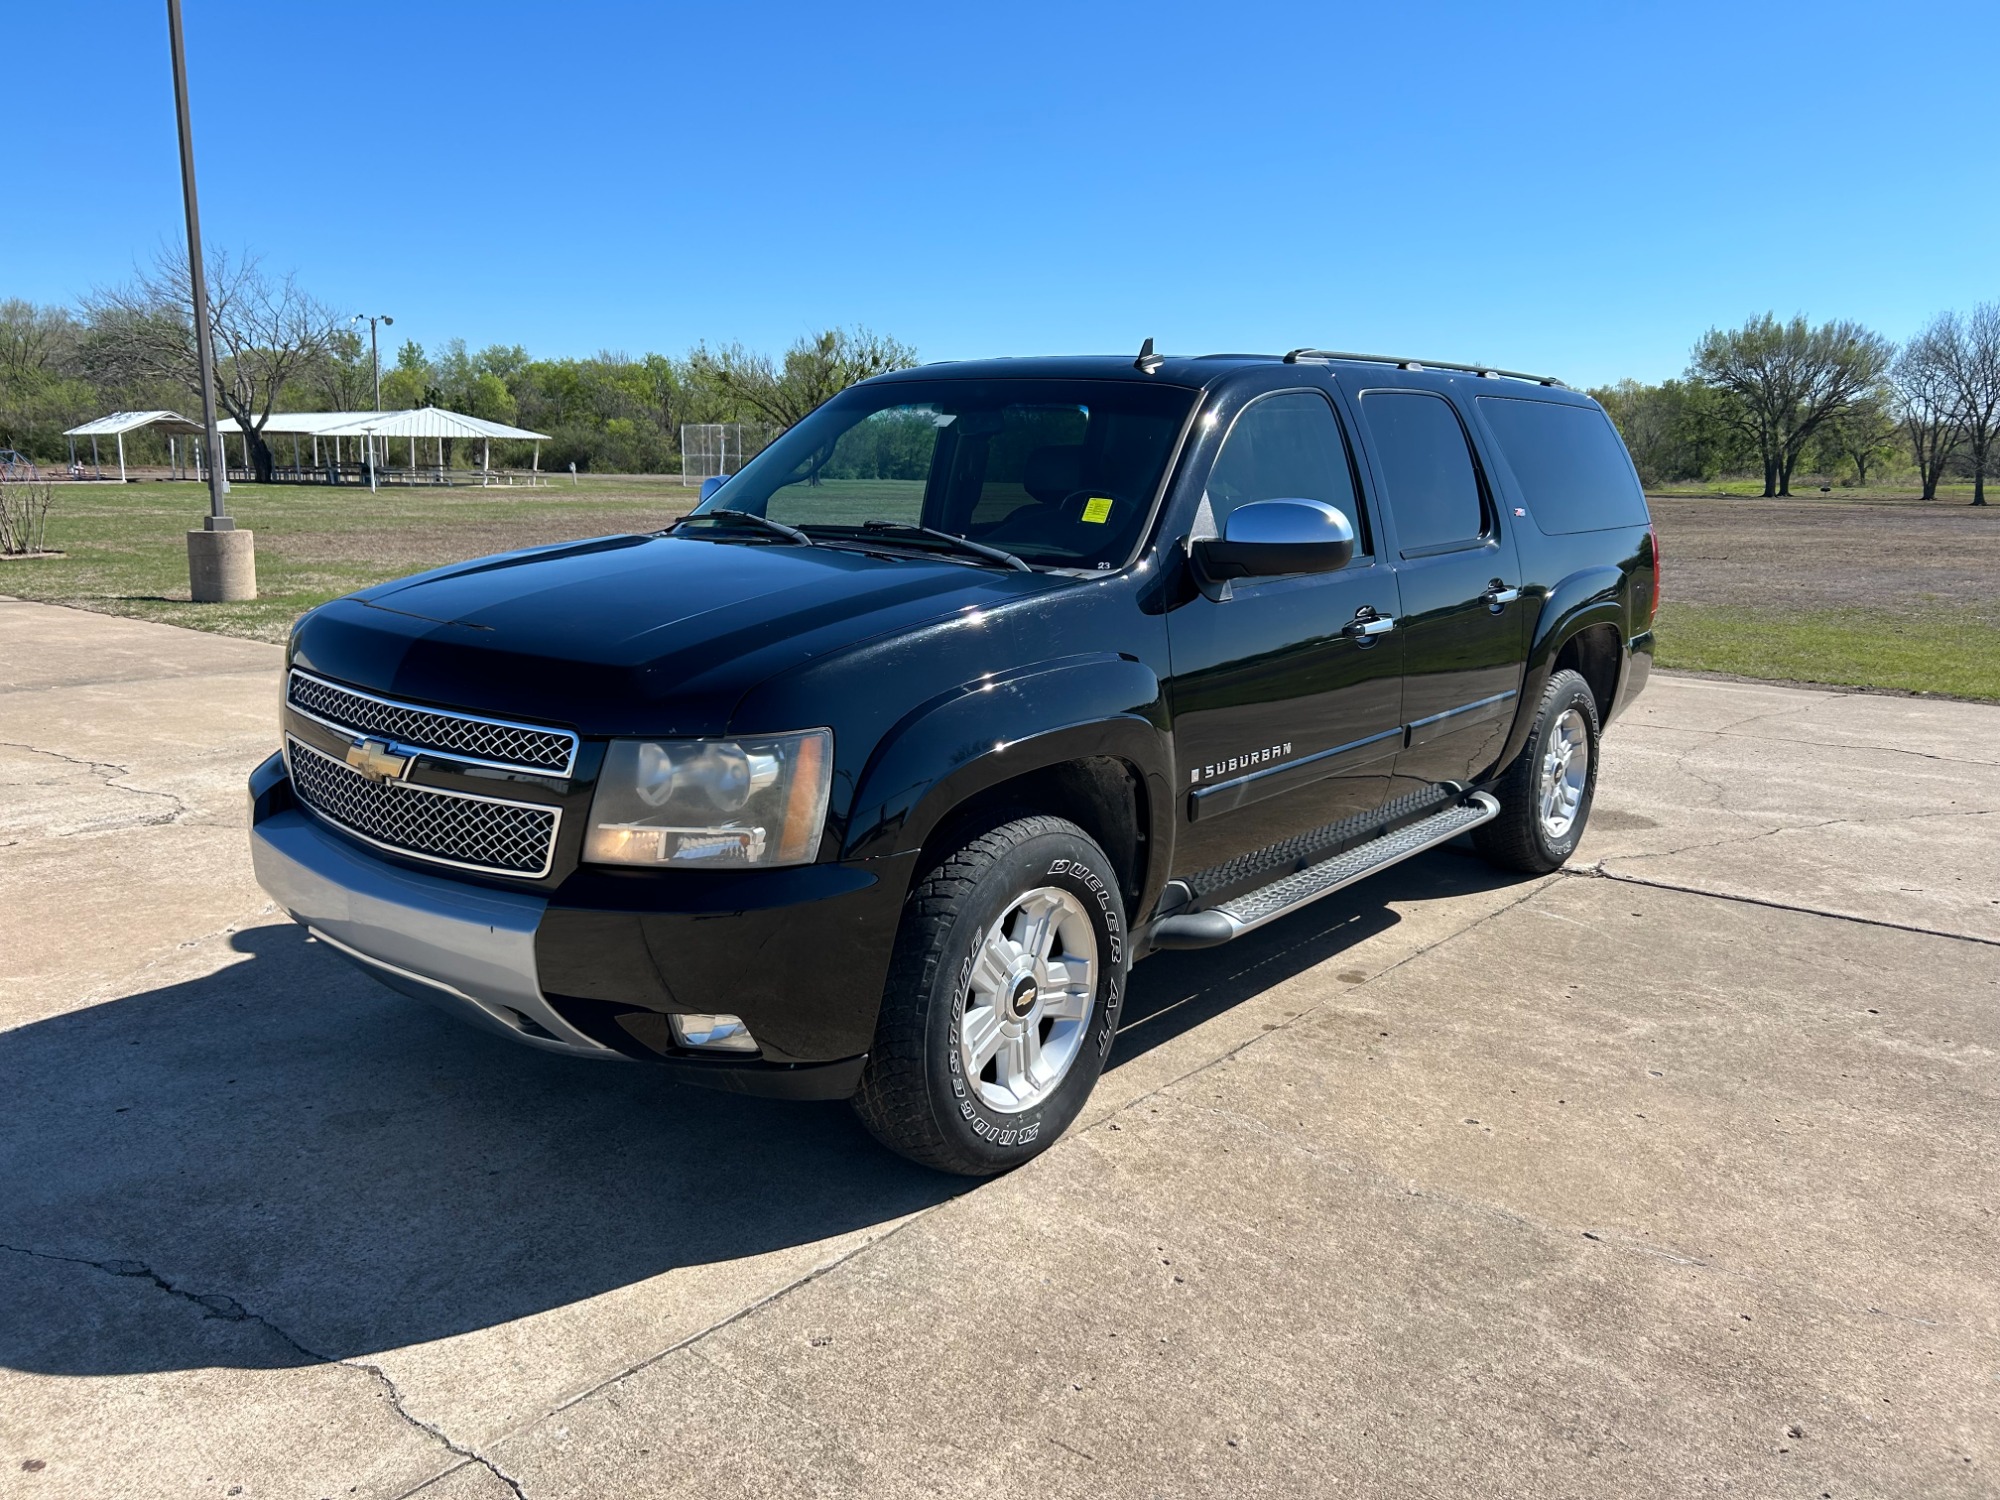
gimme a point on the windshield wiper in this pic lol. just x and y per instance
(776, 528)
(956, 543)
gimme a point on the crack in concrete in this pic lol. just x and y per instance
(1719, 792)
(1736, 840)
(767, 1300)
(470, 1455)
(217, 1305)
(1771, 739)
(1780, 713)
(106, 771)
(1597, 872)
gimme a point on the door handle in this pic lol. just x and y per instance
(1367, 627)
(1500, 596)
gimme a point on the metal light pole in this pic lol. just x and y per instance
(222, 563)
(374, 350)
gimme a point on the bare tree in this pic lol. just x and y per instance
(1965, 352)
(1927, 407)
(1789, 380)
(815, 368)
(266, 332)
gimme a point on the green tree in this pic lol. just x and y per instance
(342, 378)
(42, 384)
(815, 368)
(1866, 435)
(1677, 430)
(1789, 379)
(406, 383)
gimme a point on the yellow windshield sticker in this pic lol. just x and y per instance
(1097, 509)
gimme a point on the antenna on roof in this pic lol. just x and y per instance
(1148, 361)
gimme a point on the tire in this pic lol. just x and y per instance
(1544, 802)
(982, 1054)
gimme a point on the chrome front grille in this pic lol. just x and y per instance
(473, 833)
(486, 742)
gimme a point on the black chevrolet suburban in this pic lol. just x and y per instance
(871, 777)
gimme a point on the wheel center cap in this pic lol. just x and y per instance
(1023, 999)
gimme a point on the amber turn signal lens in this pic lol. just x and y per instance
(805, 809)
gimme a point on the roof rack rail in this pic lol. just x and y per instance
(1487, 372)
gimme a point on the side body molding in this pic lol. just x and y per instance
(1592, 596)
(982, 733)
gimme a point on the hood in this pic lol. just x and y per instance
(633, 634)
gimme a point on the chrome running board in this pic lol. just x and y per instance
(1245, 913)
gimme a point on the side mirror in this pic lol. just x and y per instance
(710, 485)
(1269, 538)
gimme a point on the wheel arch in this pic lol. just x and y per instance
(1083, 738)
(1584, 616)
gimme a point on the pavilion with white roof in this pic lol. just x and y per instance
(369, 431)
(118, 424)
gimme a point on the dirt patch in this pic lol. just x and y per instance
(1903, 557)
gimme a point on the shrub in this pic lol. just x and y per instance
(24, 516)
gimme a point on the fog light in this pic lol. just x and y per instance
(717, 1033)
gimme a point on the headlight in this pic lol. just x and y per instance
(715, 803)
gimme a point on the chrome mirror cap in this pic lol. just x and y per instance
(1270, 538)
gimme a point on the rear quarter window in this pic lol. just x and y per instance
(1570, 463)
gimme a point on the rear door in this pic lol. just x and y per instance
(1462, 624)
(1286, 716)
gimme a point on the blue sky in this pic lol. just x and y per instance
(1581, 189)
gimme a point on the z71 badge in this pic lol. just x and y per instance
(1198, 774)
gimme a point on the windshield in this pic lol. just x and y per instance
(1061, 473)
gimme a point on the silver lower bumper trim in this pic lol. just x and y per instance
(463, 947)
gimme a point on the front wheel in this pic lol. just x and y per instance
(1002, 999)
(1545, 795)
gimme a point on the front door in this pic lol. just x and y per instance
(1462, 624)
(1287, 715)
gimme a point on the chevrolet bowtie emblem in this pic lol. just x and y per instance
(375, 760)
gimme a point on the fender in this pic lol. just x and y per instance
(1593, 596)
(983, 733)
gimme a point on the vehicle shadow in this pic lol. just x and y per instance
(287, 1140)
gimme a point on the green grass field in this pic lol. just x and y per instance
(1865, 590)
(1936, 650)
(126, 550)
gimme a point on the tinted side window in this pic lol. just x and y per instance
(1426, 468)
(1572, 467)
(1286, 447)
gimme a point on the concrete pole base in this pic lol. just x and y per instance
(222, 566)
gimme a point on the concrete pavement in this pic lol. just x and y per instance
(1672, 1173)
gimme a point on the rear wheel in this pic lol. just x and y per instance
(1002, 999)
(1545, 795)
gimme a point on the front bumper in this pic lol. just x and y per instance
(473, 950)
(467, 948)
